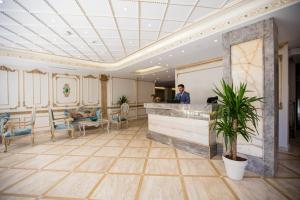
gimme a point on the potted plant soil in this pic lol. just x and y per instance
(236, 116)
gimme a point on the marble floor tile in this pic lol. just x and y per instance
(161, 188)
(185, 154)
(162, 166)
(207, 188)
(66, 163)
(60, 150)
(11, 176)
(290, 187)
(285, 172)
(292, 165)
(158, 144)
(14, 159)
(123, 137)
(138, 152)
(117, 143)
(76, 141)
(254, 189)
(96, 142)
(139, 143)
(75, 185)
(162, 153)
(36, 184)
(114, 187)
(96, 164)
(128, 165)
(109, 151)
(9, 197)
(84, 151)
(196, 167)
(37, 162)
(38, 149)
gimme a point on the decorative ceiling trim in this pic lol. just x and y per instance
(36, 71)
(7, 69)
(221, 20)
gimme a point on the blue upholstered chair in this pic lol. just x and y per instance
(60, 124)
(11, 128)
(120, 116)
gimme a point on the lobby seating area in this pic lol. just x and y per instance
(124, 164)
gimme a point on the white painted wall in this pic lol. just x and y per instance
(284, 98)
(138, 93)
(199, 80)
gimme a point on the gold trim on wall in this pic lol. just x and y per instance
(4, 68)
(90, 76)
(36, 71)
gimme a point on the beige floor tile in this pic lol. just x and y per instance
(128, 165)
(61, 150)
(139, 143)
(290, 187)
(123, 136)
(38, 149)
(66, 163)
(127, 132)
(37, 162)
(37, 183)
(161, 188)
(109, 151)
(9, 197)
(140, 137)
(84, 151)
(162, 166)
(117, 143)
(75, 185)
(185, 154)
(11, 176)
(76, 141)
(117, 187)
(14, 159)
(285, 156)
(162, 153)
(292, 164)
(106, 136)
(207, 188)
(196, 167)
(254, 188)
(158, 144)
(96, 142)
(138, 152)
(285, 172)
(96, 164)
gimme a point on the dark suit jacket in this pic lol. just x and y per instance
(183, 98)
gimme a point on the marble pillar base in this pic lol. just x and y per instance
(204, 151)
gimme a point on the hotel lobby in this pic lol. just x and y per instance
(149, 99)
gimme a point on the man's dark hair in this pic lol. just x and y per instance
(180, 85)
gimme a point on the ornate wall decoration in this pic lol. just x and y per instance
(66, 90)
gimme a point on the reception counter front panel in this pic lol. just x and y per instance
(187, 127)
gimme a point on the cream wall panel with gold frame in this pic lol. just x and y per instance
(144, 91)
(91, 94)
(9, 87)
(64, 82)
(35, 88)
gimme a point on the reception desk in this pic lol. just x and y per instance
(184, 126)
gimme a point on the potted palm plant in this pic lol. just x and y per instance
(236, 116)
(122, 99)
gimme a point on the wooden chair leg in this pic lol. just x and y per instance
(4, 142)
(83, 127)
(72, 133)
(52, 136)
(107, 127)
(32, 138)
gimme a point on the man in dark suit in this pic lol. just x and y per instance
(182, 96)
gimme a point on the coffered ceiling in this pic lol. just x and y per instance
(96, 30)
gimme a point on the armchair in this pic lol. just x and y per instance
(11, 128)
(120, 116)
(60, 124)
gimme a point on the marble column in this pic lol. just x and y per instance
(250, 55)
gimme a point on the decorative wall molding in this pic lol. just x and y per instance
(4, 68)
(90, 76)
(36, 71)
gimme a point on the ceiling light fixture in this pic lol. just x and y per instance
(182, 51)
(149, 25)
(86, 32)
(1, 1)
(148, 69)
(125, 9)
(215, 40)
(170, 55)
(159, 63)
(167, 65)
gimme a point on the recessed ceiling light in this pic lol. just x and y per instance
(125, 9)
(149, 25)
(182, 51)
(148, 69)
(167, 71)
(215, 40)
(1, 1)
(167, 65)
(54, 39)
(170, 55)
(159, 63)
(85, 32)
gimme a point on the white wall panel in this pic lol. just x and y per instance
(127, 87)
(9, 87)
(90, 90)
(144, 91)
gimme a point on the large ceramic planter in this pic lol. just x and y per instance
(235, 169)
